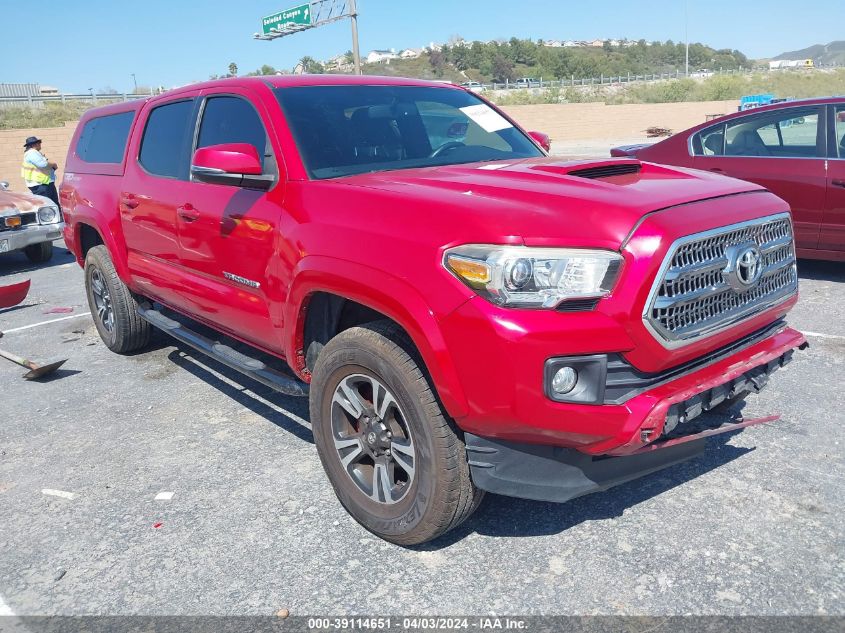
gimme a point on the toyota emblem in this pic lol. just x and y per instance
(745, 266)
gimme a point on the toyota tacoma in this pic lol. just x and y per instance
(464, 312)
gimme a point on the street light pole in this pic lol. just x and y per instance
(135, 84)
(686, 36)
(356, 54)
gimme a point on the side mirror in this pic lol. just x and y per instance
(542, 140)
(235, 164)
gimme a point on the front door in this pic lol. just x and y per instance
(832, 235)
(228, 235)
(782, 150)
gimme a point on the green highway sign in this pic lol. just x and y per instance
(300, 16)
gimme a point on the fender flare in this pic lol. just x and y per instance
(110, 232)
(386, 294)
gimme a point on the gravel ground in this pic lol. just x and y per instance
(754, 526)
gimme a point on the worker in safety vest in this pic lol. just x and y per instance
(38, 172)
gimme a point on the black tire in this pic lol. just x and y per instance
(39, 253)
(439, 495)
(113, 307)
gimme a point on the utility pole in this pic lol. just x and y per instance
(356, 54)
(134, 84)
(686, 36)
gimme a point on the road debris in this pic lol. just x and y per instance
(656, 131)
(57, 493)
(164, 496)
(35, 370)
(13, 294)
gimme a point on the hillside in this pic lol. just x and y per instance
(833, 53)
(508, 60)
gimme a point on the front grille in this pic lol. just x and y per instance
(27, 218)
(693, 296)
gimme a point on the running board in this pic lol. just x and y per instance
(238, 361)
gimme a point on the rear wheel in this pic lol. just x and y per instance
(113, 307)
(39, 253)
(395, 460)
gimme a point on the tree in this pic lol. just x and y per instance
(349, 57)
(266, 69)
(233, 69)
(437, 61)
(502, 68)
(310, 65)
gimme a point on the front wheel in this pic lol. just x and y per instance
(113, 306)
(39, 253)
(394, 458)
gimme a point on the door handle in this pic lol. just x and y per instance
(718, 170)
(187, 212)
(129, 201)
(836, 182)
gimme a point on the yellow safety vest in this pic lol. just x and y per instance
(31, 173)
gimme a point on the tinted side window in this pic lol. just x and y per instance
(103, 139)
(231, 120)
(840, 130)
(164, 148)
(790, 133)
(710, 142)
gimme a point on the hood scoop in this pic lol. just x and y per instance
(593, 170)
(608, 170)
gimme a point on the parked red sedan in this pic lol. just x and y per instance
(796, 149)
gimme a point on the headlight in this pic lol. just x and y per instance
(525, 277)
(48, 215)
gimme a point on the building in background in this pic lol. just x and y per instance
(381, 57)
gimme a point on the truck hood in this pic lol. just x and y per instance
(13, 203)
(549, 200)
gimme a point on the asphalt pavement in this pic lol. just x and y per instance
(164, 483)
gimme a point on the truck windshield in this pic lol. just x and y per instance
(344, 130)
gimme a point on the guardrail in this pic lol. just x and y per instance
(631, 78)
(38, 101)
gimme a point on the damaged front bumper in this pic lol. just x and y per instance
(661, 438)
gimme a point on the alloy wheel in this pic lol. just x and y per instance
(102, 299)
(372, 438)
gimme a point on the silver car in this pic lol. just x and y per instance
(29, 223)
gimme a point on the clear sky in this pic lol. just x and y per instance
(86, 44)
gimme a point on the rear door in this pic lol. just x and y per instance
(782, 150)
(832, 234)
(154, 183)
(228, 235)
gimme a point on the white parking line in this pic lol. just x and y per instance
(5, 609)
(820, 335)
(27, 327)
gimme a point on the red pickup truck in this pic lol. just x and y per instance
(464, 312)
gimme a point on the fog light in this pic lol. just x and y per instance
(564, 380)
